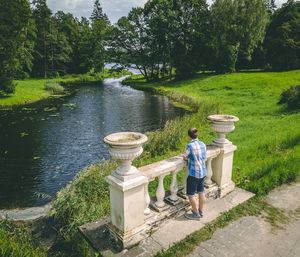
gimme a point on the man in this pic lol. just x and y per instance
(195, 154)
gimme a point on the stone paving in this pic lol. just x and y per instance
(252, 236)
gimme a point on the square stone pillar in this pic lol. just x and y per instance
(222, 169)
(127, 205)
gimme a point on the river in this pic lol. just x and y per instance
(43, 147)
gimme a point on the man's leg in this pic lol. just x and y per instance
(201, 201)
(193, 202)
(201, 196)
(191, 190)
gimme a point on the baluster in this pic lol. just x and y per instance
(185, 177)
(160, 192)
(208, 181)
(174, 187)
(147, 200)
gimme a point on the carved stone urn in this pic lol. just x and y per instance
(125, 147)
(222, 125)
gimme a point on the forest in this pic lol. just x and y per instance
(164, 39)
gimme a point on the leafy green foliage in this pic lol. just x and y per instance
(283, 37)
(237, 29)
(15, 45)
(291, 97)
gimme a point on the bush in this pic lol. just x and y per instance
(54, 88)
(7, 86)
(291, 97)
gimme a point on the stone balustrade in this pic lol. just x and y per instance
(172, 166)
(133, 212)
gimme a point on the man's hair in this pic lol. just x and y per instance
(193, 133)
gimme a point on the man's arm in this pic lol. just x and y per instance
(186, 154)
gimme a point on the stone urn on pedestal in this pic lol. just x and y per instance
(127, 188)
(222, 125)
(124, 147)
(222, 165)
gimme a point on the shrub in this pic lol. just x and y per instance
(7, 86)
(54, 88)
(291, 97)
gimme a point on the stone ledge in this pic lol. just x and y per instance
(28, 214)
(167, 233)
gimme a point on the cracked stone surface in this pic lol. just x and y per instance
(252, 236)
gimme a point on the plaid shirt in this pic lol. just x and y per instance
(196, 154)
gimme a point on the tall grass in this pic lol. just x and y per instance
(16, 241)
(54, 88)
(87, 197)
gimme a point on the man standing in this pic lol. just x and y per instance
(195, 154)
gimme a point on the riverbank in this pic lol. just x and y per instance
(267, 137)
(33, 90)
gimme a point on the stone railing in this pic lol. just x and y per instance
(171, 167)
(130, 202)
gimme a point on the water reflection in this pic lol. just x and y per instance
(42, 149)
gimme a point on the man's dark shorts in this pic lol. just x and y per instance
(194, 186)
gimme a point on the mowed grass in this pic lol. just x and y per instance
(267, 135)
(33, 90)
(27, 91)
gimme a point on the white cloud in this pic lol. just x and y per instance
(113, 8)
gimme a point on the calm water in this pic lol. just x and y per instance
(42, 148)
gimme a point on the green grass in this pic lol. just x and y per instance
(267, 135)
(33, 90)
(16, 241)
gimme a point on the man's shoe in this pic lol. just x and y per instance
(201, 214)
(192, 216)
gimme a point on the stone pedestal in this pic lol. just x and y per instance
(222, 167)
(127, 188)
(127, 209)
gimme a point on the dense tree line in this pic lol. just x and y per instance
(163, 38)
(188, 36)
(36, 43)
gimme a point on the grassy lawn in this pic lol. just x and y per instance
(268, 155)
(267, 136)
(27, 91)
(33, 90)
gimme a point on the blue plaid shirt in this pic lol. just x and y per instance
(196, 154)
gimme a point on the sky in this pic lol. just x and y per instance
(113, 8)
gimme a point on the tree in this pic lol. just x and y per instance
(271, 6)
(130, 44)
(283, 37)
(15, 43)
(238, 27)
(252, 19)
(98, 13)
(189, 35)
(100, 25)
(224, 35)
(69, 26)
